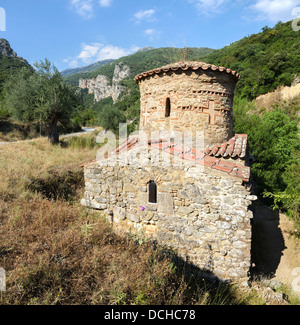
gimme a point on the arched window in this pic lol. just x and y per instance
(168, 107)
(152, 191)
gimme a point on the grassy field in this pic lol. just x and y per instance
(55, 251)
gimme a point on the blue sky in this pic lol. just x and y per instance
(72, 33)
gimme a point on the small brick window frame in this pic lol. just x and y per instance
(152, 192)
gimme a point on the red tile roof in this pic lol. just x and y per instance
(234, 148)
(194, 65)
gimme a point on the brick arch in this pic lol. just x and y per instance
(154, 178)
(172, 95)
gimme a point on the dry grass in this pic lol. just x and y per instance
(56, 252)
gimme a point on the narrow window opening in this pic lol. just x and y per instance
(152, 190)
(168, 107)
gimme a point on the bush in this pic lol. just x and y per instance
(274, 143)
(111, 117)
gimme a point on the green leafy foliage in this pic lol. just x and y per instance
(40, 96)
(111, 117)
(8, 66)
(274, 143)
(265, 60)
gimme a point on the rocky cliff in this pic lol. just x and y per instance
(102, 87)
(5, 49)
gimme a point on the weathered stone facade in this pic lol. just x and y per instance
(199, 98)
(193, 200)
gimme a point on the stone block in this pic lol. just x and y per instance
(183, 195)
(209, 229)
(96, 171)
(133, 217)
(200, 200)
(239, 244)
(119, 213)
(188, 231)
(100, 199)
(185, 211)
(192, 190)
(129, 188)
(165, 203)
(223, 225)
(236, 253)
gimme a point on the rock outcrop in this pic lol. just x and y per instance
(5, 49)
(103, 88)
(282, 93)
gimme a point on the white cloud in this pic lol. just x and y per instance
(152, 34)
(275, 10)
(208, 7)
(105, 3)
(91, 53)
(145, 15)
(84, 8)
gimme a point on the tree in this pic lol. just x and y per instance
(40, 96)
(111, 117)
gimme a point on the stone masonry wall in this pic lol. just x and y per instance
(201, 213)
(200, 100)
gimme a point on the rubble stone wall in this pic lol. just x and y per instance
(200, 213)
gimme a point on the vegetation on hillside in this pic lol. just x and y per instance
(274, 146)
(85, 69)
(265, 60)
(9, 66)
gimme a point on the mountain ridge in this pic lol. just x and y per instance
(142, 60)
(85, 69)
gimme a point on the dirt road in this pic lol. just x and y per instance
(84, 131)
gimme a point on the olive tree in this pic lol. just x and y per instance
(40, 96)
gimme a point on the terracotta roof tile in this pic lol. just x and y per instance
(235, 147)
(194, 65)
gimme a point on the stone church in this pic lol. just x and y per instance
(184, 179)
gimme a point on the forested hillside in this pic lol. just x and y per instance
(140, 61)
(85, 69)
(265, 60)
(9, 63)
